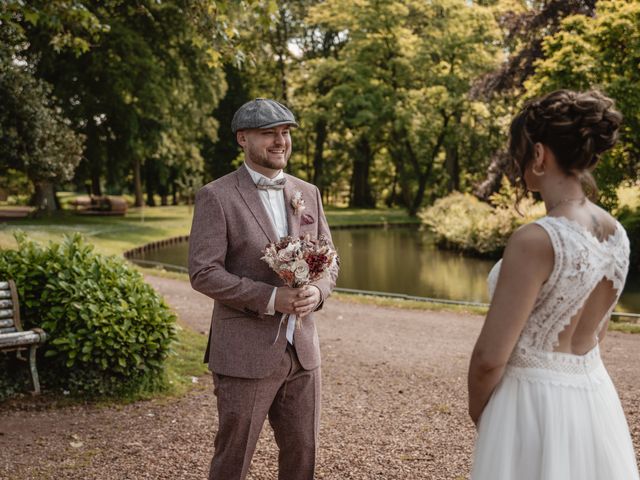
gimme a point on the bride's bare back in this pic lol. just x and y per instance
(590, 322)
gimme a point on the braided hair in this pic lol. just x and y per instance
(578, 127)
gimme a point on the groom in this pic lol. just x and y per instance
(259, 369)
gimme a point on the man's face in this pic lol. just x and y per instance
(267, 147)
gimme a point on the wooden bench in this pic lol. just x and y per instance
(102, 205)
(12, 336)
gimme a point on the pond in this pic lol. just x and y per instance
(403, 260)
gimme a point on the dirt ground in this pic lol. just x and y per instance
(394, 406)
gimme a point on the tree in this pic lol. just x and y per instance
(526, 24)
(403, 78)
(219, 152)
(599, 52)
(35, 136)
(139, 81)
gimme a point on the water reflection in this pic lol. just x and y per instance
(404, 260)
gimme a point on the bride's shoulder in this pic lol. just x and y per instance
(529, 252)
(534, 232)
(531, 239)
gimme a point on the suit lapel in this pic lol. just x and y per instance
(251, 197)
(293, 220)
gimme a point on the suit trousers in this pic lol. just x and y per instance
(290, 397)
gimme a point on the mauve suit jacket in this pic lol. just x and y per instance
(230, 230)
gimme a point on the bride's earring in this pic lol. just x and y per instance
(537, 173)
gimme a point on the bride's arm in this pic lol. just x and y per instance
(526, 265)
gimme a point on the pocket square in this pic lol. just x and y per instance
(307, 219)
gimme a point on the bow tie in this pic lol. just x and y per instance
(266, 184)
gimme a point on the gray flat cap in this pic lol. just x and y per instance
(261, 113)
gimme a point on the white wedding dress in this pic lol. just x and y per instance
(557, 416)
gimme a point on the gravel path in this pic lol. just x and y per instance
(394, 406)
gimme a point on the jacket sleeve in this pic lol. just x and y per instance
(328, 282)
(208, 244)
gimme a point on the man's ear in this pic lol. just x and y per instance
(241, 138)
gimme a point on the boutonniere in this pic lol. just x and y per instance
(297, 202)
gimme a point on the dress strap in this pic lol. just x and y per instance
(552, 230)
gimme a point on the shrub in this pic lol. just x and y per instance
(628, 213)
(109, 332)
(630, 220)
(460, 221)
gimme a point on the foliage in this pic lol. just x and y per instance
(109, 332)
(398, 102)
(15, 183)
(526, 23)
(35, 136)
(630, 220)
(140, 82)
(587, 52)
(219, 153)
(462, 222)
(402, 86)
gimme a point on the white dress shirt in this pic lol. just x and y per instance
(273, 201)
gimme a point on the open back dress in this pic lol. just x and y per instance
(555, 415)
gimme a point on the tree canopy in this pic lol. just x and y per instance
(399, 102)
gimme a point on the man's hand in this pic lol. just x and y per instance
(300, 301)
(308, 299)
(286, 298)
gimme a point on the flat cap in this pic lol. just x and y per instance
(261, 113)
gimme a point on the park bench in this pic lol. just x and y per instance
(100, 205)
(12, 336)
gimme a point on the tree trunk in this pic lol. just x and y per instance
(94, 155)
(497, 168)
(424, 174)
(361, 196)
(137, 180)
(95, 183)
(44, 197)
(391, 198)
(163, 191)
(401, 153)
(282, 47)
(452, 164)
(318, 155)
(417, 200)
(151, 181)
(174, 192)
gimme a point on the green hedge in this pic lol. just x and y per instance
(461, 222)
(630, 219)
(109, 332)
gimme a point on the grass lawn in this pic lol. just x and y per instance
(114, 235)
(185, 361)
(111, 235)
(363, 216)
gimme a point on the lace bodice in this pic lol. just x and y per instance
(581, 261)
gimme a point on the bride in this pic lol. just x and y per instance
(542, 401)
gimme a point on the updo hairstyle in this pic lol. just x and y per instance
(578, 127)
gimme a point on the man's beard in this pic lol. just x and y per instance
(263, 159)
